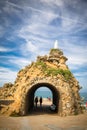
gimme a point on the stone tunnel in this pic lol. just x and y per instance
(29, 100)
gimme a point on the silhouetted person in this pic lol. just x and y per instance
(36, 101)
(40, 101)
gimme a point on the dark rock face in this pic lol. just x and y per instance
(49, 70)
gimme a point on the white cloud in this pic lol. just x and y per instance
(4, 49)
(75, 53)
(43, 28)
(38, 29)
(37, 13)
(53, 2)
(10, 4)
(83, 83)
(32, 50)
(29, 47)
(11, 7)
(80, 74)
(19, 62)
(7, 75)
(2, 31)
(38, 22)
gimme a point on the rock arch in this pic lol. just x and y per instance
(49, 70)
(29, 98)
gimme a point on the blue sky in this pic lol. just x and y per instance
(28, 28)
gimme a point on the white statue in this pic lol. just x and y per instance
(56, 45)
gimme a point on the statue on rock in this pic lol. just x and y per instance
(56, 45)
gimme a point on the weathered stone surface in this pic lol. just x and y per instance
(50, 71)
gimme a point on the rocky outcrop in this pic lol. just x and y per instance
(49, 70)
(4, 91)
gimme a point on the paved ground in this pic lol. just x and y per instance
(43, 119)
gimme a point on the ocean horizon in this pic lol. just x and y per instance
(48, 93)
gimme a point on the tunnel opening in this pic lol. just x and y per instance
(30, 96)
(44, 97)
(43, 92)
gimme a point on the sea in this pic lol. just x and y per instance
(45, 94)
(84, 96)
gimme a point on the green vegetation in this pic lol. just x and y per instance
(53, 71)
(42, 64)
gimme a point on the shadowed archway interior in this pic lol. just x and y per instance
(29, 100)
